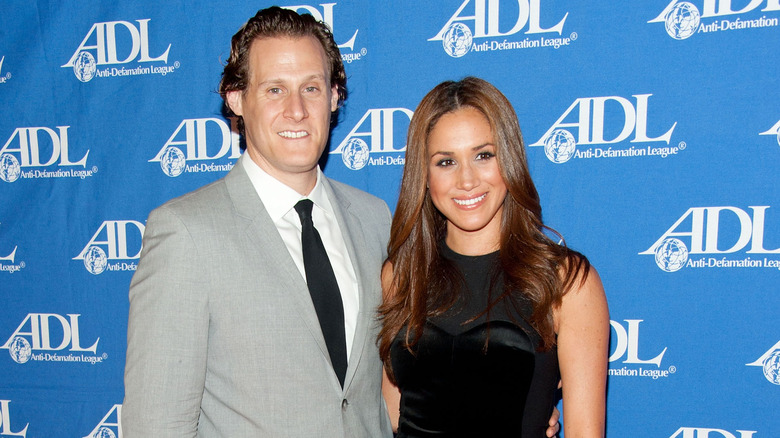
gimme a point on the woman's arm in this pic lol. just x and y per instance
(390, 392)
(582, 325)
(392, 399)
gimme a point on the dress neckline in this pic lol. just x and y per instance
(454, 256)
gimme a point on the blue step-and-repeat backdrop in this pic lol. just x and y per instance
(653, 134)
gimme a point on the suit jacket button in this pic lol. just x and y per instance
(344, 404)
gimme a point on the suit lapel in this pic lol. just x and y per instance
(352, 231)
(264, 237)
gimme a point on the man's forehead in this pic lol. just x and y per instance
(284, 57)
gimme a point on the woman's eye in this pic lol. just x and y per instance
(445, 162)
(485, 155)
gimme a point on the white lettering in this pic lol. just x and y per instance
(760, 361)
(29, 148)
(105, 45)
(5, 421)
(40, 334)
(590, 123)
(195, 143)
(716, 8)
(774, 130)
(112, 419)
(116, 240)
(701, 432)
(381, 130)
(627, 341)
(486, 19)
(704, 236)
(327, 17)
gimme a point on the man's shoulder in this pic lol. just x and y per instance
(211, 197)
(355, 194)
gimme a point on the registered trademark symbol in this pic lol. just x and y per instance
(105, 356)
(573, 36)
(672, 369)
(94, 169)
(176, 64)
(22, 264)
(363, 51)
(682, 145)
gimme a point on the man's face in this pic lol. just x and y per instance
(286, 107)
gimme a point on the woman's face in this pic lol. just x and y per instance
(464, 180)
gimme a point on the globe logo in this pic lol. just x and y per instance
(671, 255)
(355, 154)
(20, 350)
(772, 367)
(172, 161)
(105, 432)
(682, 21)
(95, 260)
(84, 66)
(560, 146)
(457, 40)
(9, 168)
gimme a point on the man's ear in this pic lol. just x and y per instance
(334, 98)
(233, 100)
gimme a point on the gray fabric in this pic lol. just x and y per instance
(223, 339)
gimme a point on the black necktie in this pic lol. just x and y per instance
(324, 290)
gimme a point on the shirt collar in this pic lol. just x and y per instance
(277, 197)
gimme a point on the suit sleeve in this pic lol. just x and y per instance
(384, 222)
(167, 334)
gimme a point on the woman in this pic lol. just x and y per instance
(482, 309)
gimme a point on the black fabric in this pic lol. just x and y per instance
(324, 290)
(457, 385)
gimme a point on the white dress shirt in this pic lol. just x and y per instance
(279, 200)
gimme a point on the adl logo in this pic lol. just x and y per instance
(194, 137)
(627, 344)
(383, 125)
(106, 51)
(6, 429)
(326, 16)
(775, 130)
(704, 432)
(110, 425)
(7, 76)
(119, 238)
(45, 330)
(39, 147)
(591, 124)
(625, 339)
(770, 362)
(705, 237)
(682, 19)
(458, 39)
(10, 258)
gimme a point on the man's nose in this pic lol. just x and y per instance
(295, 108)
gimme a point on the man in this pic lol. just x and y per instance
(224, 336)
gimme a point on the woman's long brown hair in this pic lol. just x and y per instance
(533, 264)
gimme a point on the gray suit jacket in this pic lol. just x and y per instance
(223, 339)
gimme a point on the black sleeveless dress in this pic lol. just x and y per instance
(455, 387)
